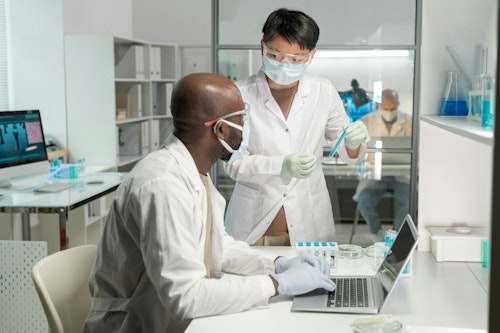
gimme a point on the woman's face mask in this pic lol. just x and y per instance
(281, 72)
(284, 68)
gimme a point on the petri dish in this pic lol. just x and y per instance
(377, 324)
(350, 251)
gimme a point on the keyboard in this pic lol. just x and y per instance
(51, 188)
(350, 292)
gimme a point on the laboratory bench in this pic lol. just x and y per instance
(441, 295)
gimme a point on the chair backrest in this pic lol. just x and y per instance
(61, 281)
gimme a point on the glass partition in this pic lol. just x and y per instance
(362, 22)
(374, 44)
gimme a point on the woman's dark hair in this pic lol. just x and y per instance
(292, 25)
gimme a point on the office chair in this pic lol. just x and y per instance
(61, 281)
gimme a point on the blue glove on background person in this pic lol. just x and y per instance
(356, 134)
(301, 279)
(298, 165)
(282, 263)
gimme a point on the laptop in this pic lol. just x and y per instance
(367, 294)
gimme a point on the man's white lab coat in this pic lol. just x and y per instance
(149, 275)
(317, 113)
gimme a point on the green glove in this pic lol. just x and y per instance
(298, 165)
(356, 134)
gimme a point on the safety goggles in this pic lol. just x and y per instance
(286, 57)
(215, 121)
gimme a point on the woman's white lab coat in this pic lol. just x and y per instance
(149, 275)
(317, 113)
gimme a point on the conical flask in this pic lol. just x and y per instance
(454, 98)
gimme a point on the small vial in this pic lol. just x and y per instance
(390, 235)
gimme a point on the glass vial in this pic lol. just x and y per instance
(454, 101)
(487, 109)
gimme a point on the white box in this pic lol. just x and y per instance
(457, 243)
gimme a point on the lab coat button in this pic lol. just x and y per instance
(286, 129)
(284, 195)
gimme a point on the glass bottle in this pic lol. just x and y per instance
(487, 109)
(454, 98)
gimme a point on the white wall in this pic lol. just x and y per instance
(98, 17)
(36, 61)
(186, 22)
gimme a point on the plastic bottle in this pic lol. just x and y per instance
(454, 98)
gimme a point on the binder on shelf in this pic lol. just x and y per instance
(144, 138)
(135, 101)
(130, 139)
(155, 63)
(164, 96)
(130, 65)
(155, 135)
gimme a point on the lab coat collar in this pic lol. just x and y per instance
(264, 92)
(182, 155)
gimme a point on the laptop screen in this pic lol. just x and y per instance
(398, 255)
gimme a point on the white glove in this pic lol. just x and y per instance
(282, 264)
(356, 134)
(301, 279)
(298, 165)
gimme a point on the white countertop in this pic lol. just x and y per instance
(446, 294)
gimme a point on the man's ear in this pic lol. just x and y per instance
(222, 131)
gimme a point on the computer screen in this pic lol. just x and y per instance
(22, 145)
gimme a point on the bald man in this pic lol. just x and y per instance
(164, 247)
(388, 120)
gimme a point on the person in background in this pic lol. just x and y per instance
(387, 120)
(280, 195)
(359, 95)
(164, 248)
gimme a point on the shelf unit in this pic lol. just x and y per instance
(118, 98)
(455, 168)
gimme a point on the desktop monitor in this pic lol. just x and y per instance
(22, 146)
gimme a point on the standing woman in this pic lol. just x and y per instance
(280, 196)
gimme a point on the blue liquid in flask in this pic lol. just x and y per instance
(454, 107)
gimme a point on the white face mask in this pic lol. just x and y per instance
(281, 72)
(389, 115)
(243, 147)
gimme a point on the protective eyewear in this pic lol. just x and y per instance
(286, 57)
(215, 121)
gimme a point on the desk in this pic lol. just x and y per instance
(80, 193)
(446, 294)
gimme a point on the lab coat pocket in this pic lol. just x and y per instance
(241, 212)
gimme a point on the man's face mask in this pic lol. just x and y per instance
(236, 154)
(284, 68)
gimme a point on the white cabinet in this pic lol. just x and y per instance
(118, 98)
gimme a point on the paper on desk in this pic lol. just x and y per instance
(428, 329)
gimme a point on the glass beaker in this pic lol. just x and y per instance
(454, 98)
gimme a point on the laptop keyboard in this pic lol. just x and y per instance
(350, 292)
